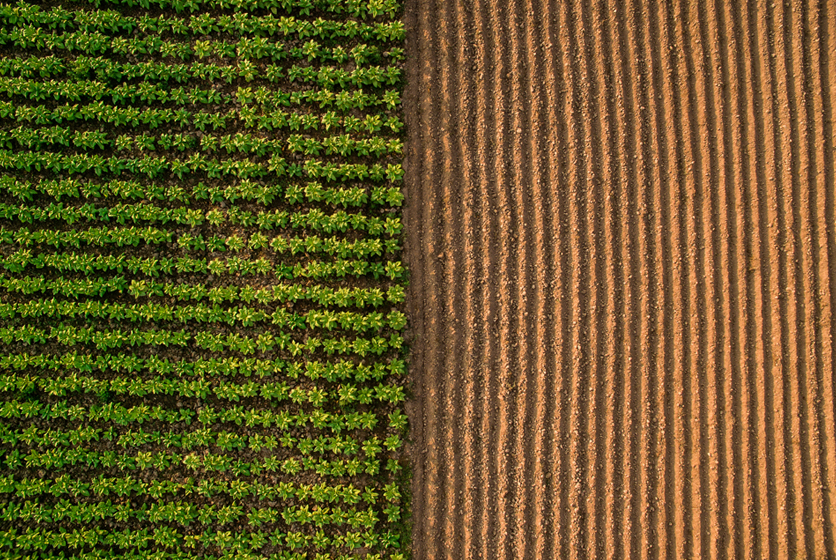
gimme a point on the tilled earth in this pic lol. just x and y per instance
(622, 242)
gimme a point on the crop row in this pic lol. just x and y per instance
(133, 236)
(203, 463)
(278, 293)
(331, 371)
(314, 219)
(96, 236)
(196, 163)
(151, 266)
(236, 414)
(127, 486)
(35, 539)
(199, 438)
(345, 394)
(156, 78)
(183, 513)
(235, 552)
(187, 514)
(240, 316)
(234, 545)
(312, 192)
(31, 16)
(239, 143)
(84, 68)
(259, 118)
(322, 295)
(69, 335)
(246, 117)
(148, 93)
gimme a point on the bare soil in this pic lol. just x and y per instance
(622, 243)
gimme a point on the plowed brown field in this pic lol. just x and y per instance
(622, 241)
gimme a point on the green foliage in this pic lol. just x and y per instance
(201, 286)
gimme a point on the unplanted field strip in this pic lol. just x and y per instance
(620, 230)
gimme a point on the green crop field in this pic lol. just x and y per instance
(201, 287)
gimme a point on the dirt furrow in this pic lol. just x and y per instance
(623, 271)
(446, 266)
(737, 216)
(518, 256)
(485, 121)
(820, 177)
(825, 42)
(470, 391)
(613, 326)
(777, 240)
(742, 216)
(540, 375)
(529, 263)
(564, 411)
(711, 153)
(763, 458)
(556, 342)
(675, 292)
(665, 272)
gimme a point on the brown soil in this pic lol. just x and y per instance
(622, 241)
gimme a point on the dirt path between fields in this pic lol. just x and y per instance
(623, 255)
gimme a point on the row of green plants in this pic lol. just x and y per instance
(261, 117)
(83, 67)
(283, 319)
(345, 394)
(203, 438)
(228, 366)
(240, 545)
(90, 70)
(131, 486)
(187, 514)
(234, 552)
(134, 236)
(86, 263)
(325, 77)
(240, 22)
(153, 167)
(239, 143)
(314, 219)
(95, 236)
(249, 191)
(277, 293)
(107, 339)
(94, 94)
(165, 463)
(250, 417)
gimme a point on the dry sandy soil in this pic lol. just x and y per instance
(622, 240)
